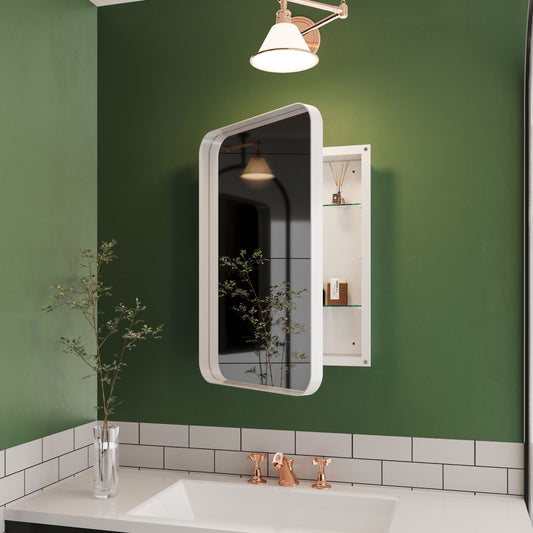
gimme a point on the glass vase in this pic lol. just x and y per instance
(105, 461)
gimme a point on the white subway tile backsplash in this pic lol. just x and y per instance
(58, 444)
(57, 483)
(24, 456)
(516, 481)
(11, 488)
(128, 432)
(73, 462)
(190, 459)
(314, 443)
(268, 440)
(164, 434)
(475, 478)
(505, 454)
(356, 459)
(143, 456)
(217, 438)
(227, 462)
(451, 451)
(428, 476)
(83, 435)
(355, 471)
(41, 475)
(380, 447)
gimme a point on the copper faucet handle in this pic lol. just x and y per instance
(257, 457)
(257, 478)
(321, 482)
(321, 461)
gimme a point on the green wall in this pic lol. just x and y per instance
(47, 207)
(436, 88)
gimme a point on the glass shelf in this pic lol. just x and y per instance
(338, 205)
(342, 305)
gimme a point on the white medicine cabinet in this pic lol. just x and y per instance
(346, 233)
(273, 230)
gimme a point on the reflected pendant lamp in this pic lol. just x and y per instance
(284, 50)
(257, 169)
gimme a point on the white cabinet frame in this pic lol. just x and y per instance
(361, 316)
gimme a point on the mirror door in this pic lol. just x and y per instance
(261, 252)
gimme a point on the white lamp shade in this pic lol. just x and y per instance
(284, 50)
(257, 169)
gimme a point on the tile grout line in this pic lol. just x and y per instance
(507, 481)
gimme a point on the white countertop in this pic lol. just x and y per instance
(71, 504)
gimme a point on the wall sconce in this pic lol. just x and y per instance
(257, 168)
(292, 43)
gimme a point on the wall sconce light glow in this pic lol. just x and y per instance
(257, 169)
(292, 47)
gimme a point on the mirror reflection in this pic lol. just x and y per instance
(264, 246)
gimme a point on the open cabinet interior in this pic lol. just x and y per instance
(346, 248)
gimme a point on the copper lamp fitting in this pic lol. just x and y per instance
(283, 15)
(321, 482)
(257, 478)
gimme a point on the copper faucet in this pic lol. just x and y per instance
(287, 477)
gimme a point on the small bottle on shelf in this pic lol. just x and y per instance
(338, 198)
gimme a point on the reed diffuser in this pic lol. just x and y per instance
(338, 171)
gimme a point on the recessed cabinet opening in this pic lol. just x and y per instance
(346, 248)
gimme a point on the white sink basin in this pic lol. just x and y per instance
(248, 508)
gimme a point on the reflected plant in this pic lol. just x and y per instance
(268, 317)
(83, 297)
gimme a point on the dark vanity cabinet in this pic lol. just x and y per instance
(27, 527)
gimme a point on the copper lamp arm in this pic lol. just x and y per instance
(320, 23)
(341, 10)
(230, 147)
